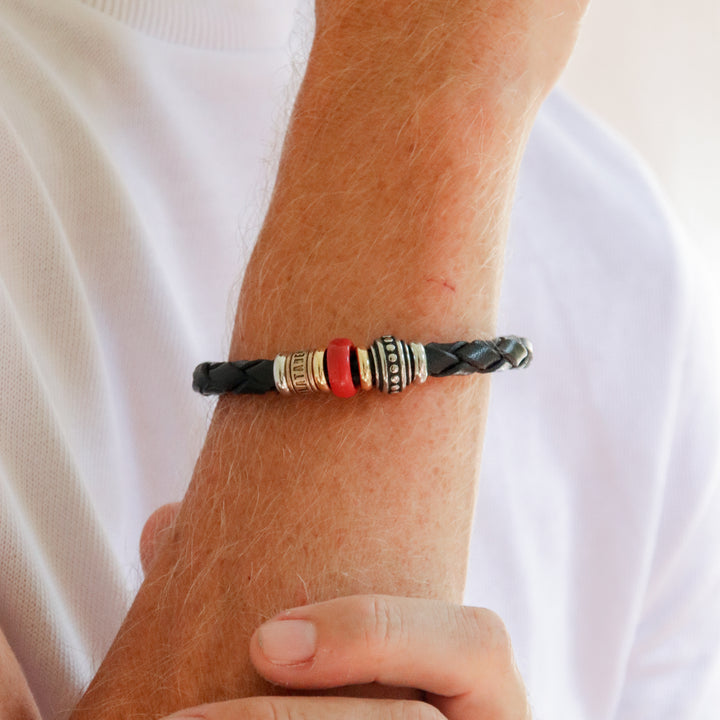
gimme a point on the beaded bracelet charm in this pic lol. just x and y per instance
(389, 365)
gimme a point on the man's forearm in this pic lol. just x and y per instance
(391, 202)
(388, 215)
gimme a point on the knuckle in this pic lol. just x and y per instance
(488, 632)
(382, 623)
(493, 658)
(413, 710)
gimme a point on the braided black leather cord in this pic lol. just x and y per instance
(244, 377)
(478, 356)
(255, 377)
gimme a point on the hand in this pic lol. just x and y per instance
(460, 657)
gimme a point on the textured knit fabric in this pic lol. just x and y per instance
(134, 139)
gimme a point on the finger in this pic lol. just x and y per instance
(317, 708)
(151, 537)
(461, 656)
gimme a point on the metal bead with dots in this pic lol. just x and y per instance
(394, 364)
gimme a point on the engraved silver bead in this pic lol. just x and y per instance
(299, 372)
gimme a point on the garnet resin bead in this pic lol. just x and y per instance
(339, 373)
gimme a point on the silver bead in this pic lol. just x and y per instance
(420, 357)
(299, 372)
(366, 376)
(318, 371)
(279, 374)
(380, 376)
(393, 368)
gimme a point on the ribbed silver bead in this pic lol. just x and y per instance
(394, 364)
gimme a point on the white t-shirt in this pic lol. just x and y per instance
(134, 146)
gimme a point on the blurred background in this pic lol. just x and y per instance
(651, 70)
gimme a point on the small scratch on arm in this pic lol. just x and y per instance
(442, 281)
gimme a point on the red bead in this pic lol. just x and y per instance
(339, 375)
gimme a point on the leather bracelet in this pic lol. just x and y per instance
(389, 364)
